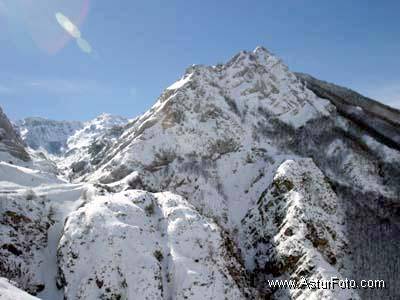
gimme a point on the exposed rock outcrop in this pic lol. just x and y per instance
(380, 120)
(48, 135)
(23, 235)
(296, 231)
(269, 177)
(11, 143)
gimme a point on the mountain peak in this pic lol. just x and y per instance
(240, 172)
(105, 120)
(260, 50)
(248, 82)
(104, 116)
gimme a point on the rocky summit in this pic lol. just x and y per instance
(239, 174)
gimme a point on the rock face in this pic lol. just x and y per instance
(76, 146)
(211, 134)
(372, 212)
(270, 175)
(11, 143)
(381, 121)
(296, 230)
(217, 136)
(23, 233)
(33, 206)
(86, 148)
(48, 135)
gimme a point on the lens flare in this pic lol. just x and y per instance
(47, 24)
(68, 26)
(73, 31)
(84, 45)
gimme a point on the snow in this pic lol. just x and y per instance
(8, 291)
(172, 201)
(50, 202)
(93, 129)
(47, 135)
(63, 199)
(66, 142)
(297, 226)
(12, 175)
(388, 154)
(180, 83)
(127, 230)
(223, 111)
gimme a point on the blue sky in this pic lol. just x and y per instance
(141, 47)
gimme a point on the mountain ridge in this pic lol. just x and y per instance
(242, 162)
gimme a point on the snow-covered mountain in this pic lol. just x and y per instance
(240, 173)
(48, 135)
(72, 144)
(59, 137)
(95, 138)
(11, 144)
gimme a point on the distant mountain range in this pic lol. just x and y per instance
(240, 173)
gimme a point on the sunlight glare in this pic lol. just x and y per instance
(68, 26)
(73, 30)
(84, 45)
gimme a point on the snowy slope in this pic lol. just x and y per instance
(33, 206)
(221, 131)
(69, 144)
(93, 129)
(59, 137)
(381, 121)
(206, 129)
(239, 173)
(296, 229)
(9, 292)
(217, 136)
(85, 147)
(148, 246)
(11, 174)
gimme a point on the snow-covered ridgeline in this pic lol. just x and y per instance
(229, 144)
